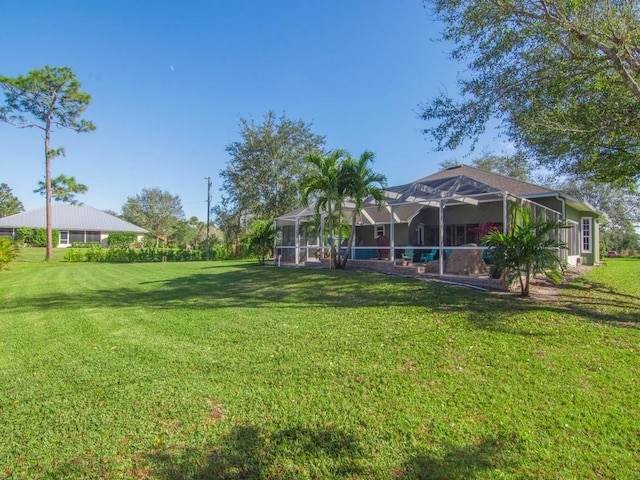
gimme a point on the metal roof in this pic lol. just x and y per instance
(70, 217)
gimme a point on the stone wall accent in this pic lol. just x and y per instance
(466, 262)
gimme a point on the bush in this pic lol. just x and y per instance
(75, 255)
(122, 239)
(9, 250)
(37, 237)
(85, 244)
(130, 255)
(95, 254)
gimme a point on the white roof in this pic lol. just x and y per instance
(70, 217)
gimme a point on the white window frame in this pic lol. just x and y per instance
(66, 240)
(381, 230)
(586, 234)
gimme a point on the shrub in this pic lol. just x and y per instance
(530, 248)
(95, 254)
(9, 250)
(85, 244)
(130, 255)
(117, 255)
(259, 240)
(122, 239)
(37, 237)
(75, 255)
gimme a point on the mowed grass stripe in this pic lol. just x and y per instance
(228, 370)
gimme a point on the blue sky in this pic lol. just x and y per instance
(170, 80)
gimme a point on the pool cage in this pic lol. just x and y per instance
(418, 223)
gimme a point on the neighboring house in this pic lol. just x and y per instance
(449, 211)
(76, 223)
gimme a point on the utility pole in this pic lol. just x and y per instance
(208, 179)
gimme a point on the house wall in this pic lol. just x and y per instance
(401, 236)
(570, 213)
(592, 257)
(365, 235)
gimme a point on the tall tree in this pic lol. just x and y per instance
(562, 76)
(155, 210)
(262, 177)
(9, 203)
(46, 99)
(362, 183)
(63, 189)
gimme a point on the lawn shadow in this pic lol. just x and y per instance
(252, 286)
(247, 452)
(244, 287)
(583, 298)
(471, 461)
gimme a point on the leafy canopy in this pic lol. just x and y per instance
(562, 76)
(260, 239)
(9, 203)
(262, 177)
(63, 189)
(155, 210)
(337, 180)
(46, 98)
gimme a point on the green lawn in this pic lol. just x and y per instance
(230, 370)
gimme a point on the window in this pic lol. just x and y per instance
(93, 237)
(6, 232)
(380, 230)
(586, 234)
(64, 238)
(76, 237)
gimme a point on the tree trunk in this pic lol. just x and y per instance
(332, 246)
(47, 156)
(352, 234)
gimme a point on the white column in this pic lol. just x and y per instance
(441, 235)
(297, 237)
(392, 235)
(275, 243)
(505, 214)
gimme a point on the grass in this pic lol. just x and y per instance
(230, 370)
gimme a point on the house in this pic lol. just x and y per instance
(76, 223)
(447, 213)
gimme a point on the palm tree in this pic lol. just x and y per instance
(260, 239)
(531, 247)
(326, 185)
(362, 182)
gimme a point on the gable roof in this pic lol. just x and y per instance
(70, 217)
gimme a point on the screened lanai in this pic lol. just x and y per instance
(427, 221)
